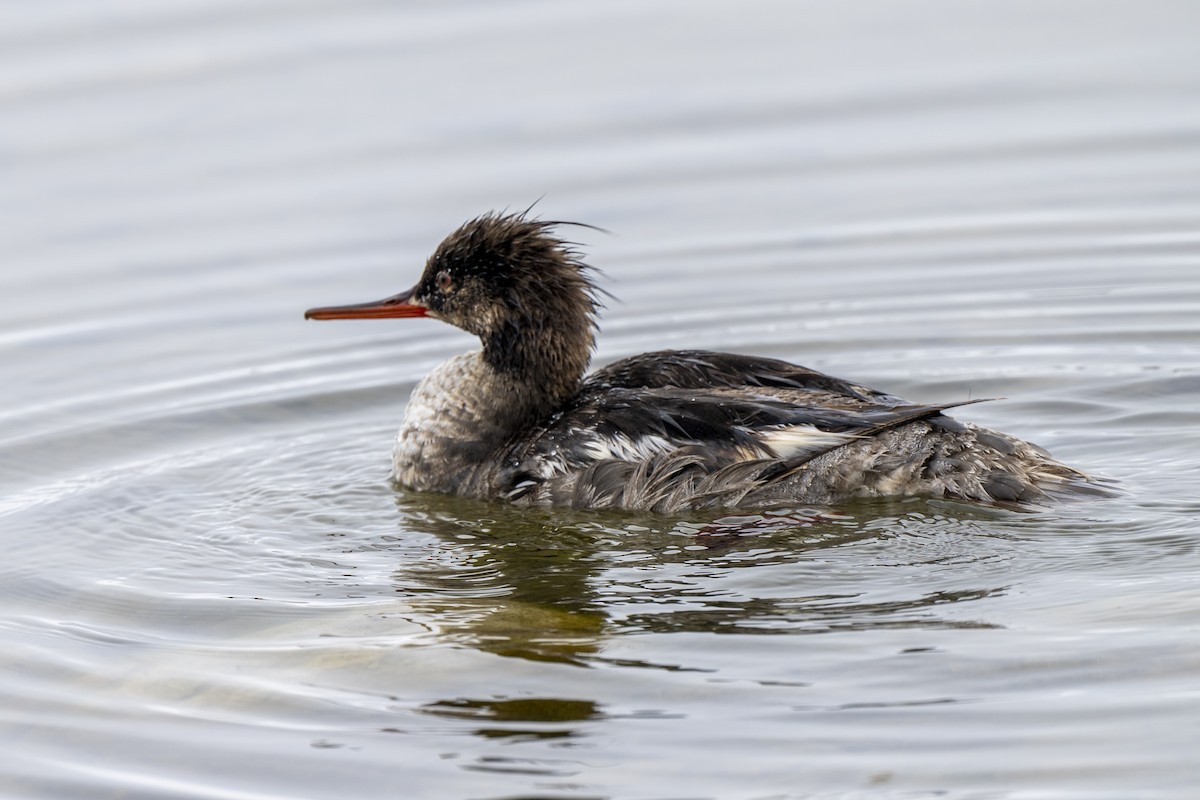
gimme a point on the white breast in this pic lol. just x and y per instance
(442, 406)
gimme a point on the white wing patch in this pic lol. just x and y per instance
(785, 442)
(793, 441)
(623, 448)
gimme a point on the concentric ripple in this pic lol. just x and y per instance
(210, 588)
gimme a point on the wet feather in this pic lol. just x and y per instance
(664, 431)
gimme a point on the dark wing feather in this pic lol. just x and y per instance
(692, 429)
(705, 369)
(778, 415)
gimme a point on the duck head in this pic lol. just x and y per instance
(510, 280)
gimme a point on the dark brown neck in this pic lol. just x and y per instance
(548, 363)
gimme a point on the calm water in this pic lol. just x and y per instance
(211, 591)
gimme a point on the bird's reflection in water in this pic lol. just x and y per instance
(520, 718)
(555, 585)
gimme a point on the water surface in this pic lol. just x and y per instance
(211, 590)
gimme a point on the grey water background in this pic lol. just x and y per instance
(209, 589)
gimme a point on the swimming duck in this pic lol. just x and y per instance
(667, 431)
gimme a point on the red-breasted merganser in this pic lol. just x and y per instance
(666, 431)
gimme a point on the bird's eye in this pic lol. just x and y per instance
(444, 281)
